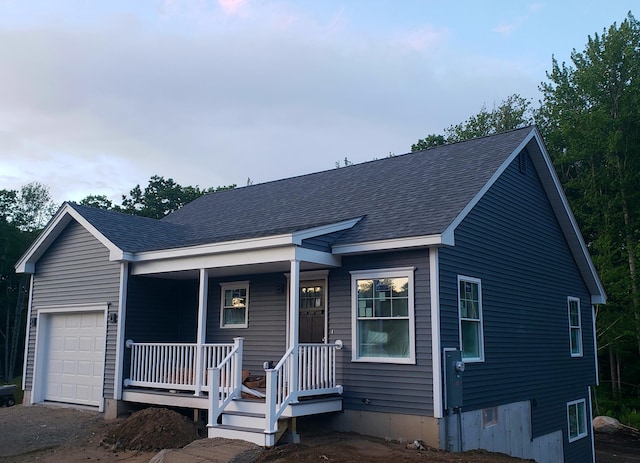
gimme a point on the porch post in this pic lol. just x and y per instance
(294, 322)
(202, 330)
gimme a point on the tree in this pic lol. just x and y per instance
(99, 202)
(28, 209)
(22, 215)
(512, 113)
(591, 123)
(160, 197)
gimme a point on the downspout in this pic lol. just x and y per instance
(203, 294)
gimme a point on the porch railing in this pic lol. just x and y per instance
(172, 365)
(314, 373)
(228, 376)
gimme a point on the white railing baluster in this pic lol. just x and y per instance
(171, 365)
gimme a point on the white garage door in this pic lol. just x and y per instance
(75, 358)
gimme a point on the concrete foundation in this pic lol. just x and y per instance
(391, 426)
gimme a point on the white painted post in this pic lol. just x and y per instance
(214, 400)
(272, 389)
(202, 329)
(237, 380)
(294, 323)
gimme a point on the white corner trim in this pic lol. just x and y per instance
(122, 316)
(436, 354)
(28, 331)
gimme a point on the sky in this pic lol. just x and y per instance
(98, 96)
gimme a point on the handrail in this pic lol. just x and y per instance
(278, 393)
(225, 382)
(308, 370)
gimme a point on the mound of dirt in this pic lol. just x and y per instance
(152, 429)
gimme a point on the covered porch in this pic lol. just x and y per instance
(206, 371)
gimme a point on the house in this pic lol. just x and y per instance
(445, 295)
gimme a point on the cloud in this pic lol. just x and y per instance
(426, 38)
(506, 28)
(232, 7)
(88, 109)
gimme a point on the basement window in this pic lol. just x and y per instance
(577, 419)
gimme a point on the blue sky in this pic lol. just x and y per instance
(96, 96)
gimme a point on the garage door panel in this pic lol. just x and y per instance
(75, 358)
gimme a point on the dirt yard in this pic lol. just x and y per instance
(53, 434)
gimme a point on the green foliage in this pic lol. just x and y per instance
(98, 201)
(159, 198)
(22, 215)
(430, 141)
(625, 409)
(28, 209)
(512, 113)
(590, 120)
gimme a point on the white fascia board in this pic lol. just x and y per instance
(393, 244)
(301, 235)
(218, 260)
(56, 225)
(224, 247)
(230, 259)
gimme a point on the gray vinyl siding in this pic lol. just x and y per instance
(391, 388)
(76, 270)
(513, 243)
(265, 337)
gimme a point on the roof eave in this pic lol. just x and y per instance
(393, 244)
(66, 213)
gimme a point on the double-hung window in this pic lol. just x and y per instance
(577, 419)
(234, 305)
(575, 326)
(383, 316)
(470, 313)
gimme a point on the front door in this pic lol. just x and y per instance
(312, 311)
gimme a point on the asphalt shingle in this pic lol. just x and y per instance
(415, 194)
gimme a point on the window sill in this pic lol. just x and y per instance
(399, 361)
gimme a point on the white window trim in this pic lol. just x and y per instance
(477, 281)
(383, 273)
(234, 285)
(580, 435)
(579, 327)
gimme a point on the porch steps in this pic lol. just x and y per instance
(243, 420)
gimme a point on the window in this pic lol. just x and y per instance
(575, 326)
(489, 417)
(577, 419)
(234, 304)
(383, 316)
(470, 311)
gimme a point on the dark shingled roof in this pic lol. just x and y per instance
(132, 233)
(415, 194)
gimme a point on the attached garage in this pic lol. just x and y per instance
(70, 356)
